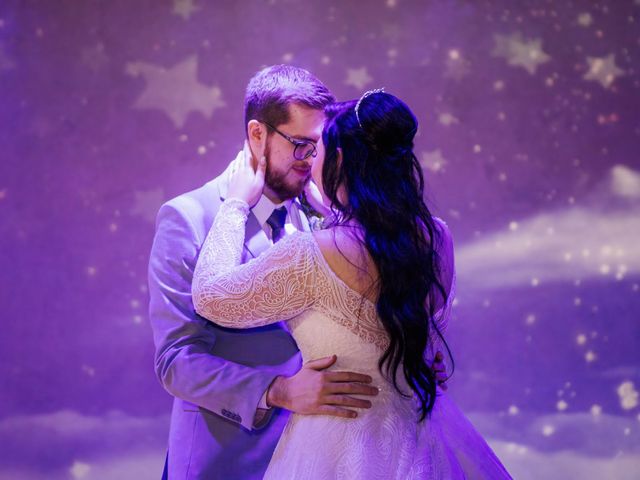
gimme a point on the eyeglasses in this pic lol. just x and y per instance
(303, 149)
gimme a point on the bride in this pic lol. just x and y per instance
(375, 287)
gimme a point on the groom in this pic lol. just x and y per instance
(233, 388)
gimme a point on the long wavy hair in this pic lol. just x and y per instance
(381, 185)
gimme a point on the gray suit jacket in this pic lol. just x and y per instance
(216, 375)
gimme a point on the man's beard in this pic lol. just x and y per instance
(277, 182)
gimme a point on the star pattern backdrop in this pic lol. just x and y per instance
(529, 138)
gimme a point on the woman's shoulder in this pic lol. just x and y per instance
(295, 238)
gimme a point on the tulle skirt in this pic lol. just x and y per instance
(385, 442)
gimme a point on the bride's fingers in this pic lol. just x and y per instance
(442, 377)
(439, 367)
(260, 170)
(262, 146)
(247, 155)
(234, 167)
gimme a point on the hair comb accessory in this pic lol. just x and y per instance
(365, 95)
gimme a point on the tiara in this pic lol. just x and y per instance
(365, 95)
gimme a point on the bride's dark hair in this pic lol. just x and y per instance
(383, 185)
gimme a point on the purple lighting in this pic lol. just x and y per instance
(528, 138)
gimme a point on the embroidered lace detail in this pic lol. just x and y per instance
(280, 284)
(227, 232)
(273, 287)
(345, 306)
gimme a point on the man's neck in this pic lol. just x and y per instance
(265, 206)
(273, 196)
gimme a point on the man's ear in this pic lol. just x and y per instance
(257, 137)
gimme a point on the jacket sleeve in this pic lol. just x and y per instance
(184, 362)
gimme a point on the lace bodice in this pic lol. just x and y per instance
(291, 277)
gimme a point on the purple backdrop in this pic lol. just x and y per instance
(529, 136)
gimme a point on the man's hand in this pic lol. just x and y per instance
(313, 391)
(440, 370)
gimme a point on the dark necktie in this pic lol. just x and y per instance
(276, 222)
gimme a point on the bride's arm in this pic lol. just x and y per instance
(276, 286)
(222, 249)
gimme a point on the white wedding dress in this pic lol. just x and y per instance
(292, 282)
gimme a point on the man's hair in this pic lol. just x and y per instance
(273, 89)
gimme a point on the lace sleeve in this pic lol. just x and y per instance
(278, 285)
(222, 249)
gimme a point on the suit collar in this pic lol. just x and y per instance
(263, 209)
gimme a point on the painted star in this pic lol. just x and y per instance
(519, 53)
(147, 203)
(175, 91)
(433, 161)
(585, 19)
(358, 77)
(184, 8)
(603, 70)
(447, 119)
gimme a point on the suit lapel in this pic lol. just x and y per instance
(298, 218)
(256, 240)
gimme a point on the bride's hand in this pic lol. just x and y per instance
(314, 197)
(440, 370)
(245, 183)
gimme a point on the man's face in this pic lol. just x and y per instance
(286, 176)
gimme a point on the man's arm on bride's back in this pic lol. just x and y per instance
(184, 362)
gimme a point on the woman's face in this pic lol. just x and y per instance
(316, 169)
